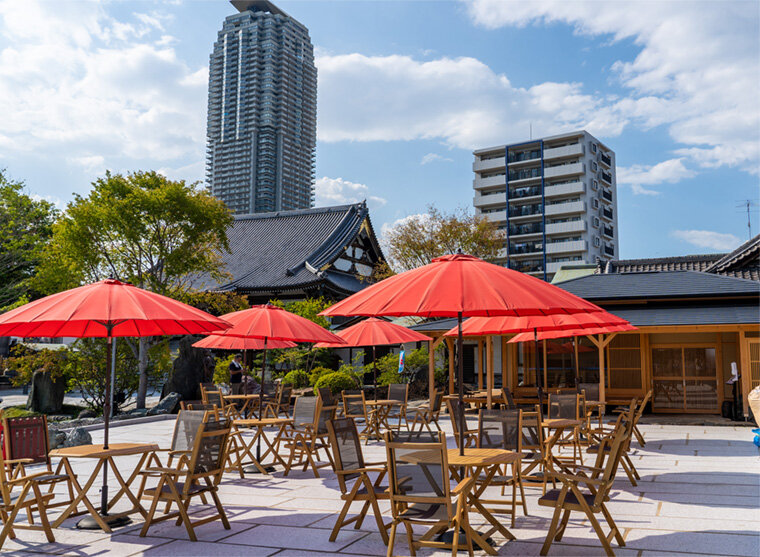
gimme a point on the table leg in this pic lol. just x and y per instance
(82, 497)
(271, 448)
(137, 507)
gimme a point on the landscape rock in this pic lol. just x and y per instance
(167, 405)
(46, 395)
(86, 413)
(189, 370)
(77, 437)
(55, 438)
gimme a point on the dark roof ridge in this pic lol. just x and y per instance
(673, 272)
(297, 212)
(745, 249)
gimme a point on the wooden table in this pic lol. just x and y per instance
(104, 457)
(477, 462)
(259, 425)
(378, 416)
(558, 425)
(247, 400)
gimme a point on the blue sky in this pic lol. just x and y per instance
(406, 91)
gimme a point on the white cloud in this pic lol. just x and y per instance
(696, 72)
(56, 201)
(337, 191)
(406, 99)
(434, 157)
(74, 81)
(708, 239)
(639, 175)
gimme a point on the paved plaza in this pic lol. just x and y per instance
(699, 494)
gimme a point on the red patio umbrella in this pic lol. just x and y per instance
(220, 342)
(461, 286)
(375, 332)
(108, 308)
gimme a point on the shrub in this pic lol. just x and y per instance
(222, 369)
(337, 381)
(298, 378)
(318, 372)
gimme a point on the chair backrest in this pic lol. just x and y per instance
(186, 428)
(324, 415)
(26, 438)
(209, 387)
(455, 411)
(325, 394)
(192, 405)
(284, 393)
(208, 456)
(354, 405)
(532, 438)
(617, 445)
(565, 406)
(589, 390)
(214, 397)
(418, 472)
(500, 429)
(346, 447)
(437, 401)
(304, 411)
(509, 402)
(186, 404)
(398, 392)
(414, 436)
(642, 406)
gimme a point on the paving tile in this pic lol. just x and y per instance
(311, 539)
(206, 549)
(725, 543)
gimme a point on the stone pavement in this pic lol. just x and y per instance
(699, 494)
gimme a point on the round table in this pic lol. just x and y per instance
(247, 449)
(378, 416)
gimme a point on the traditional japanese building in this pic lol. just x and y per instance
(327, 251)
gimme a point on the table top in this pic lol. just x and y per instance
(97, 451)
(471, 457)
(595, 403)
(559, 422)
(241, 397)
(262, 422)
(382, 402)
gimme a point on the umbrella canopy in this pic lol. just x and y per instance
(578, 332)
(270, 322)
(221, 342)
(375, 332)
(461, 284)
(502, 325)
(107, 308)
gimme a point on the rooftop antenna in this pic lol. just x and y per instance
(531, 130)
(747, 204)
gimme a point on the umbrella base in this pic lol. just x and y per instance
(255, 470)
(88, 523)
(448, 537)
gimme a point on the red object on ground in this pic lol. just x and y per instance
(375, 332)
(89, 311)
(221, 342)
(461, 284)
(270, 322)
(502, 325)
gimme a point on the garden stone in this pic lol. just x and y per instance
(76, 437)
(46, 395)
(86, 413)
(188, 371)
(167, 405)
(55, 438)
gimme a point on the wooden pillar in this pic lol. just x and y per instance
(481, 359)
(745, 371)
(489, 370)
(431, 370)
(602, 373)
(450, 344)
(505, 382)
(545, 366)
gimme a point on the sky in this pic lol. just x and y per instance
(406, 91)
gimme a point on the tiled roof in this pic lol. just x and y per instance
(745, 260)
(707, 314)
(663, 284)
(291, 250)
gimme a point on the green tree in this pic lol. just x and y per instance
(25, 227)
(143, 228)
(416, 240)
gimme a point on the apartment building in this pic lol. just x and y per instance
(262, 111)
(555, 198)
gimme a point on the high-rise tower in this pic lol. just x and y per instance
(262, 111)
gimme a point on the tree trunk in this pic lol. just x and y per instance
(142, 362)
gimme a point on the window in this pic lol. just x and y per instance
(595, 185)
(595, 222)
(597, 242)
(594, 166)
(595, 203)
(593, 147)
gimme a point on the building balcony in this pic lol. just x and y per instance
(517, 158)
(489, 199)
(566, 227)
(479, 183)
(565, 151)
(525, 210)
(606, 177)
(606, 195)
(606, 213)
(565, 189)
(526, 229)
(608, 231)
(530, 248)
(606, 160)
(489, 164)
(566, 208)
(609, 250)
(523, 192)
(566, 247)
(495, 216)
(524, 174)
(555, 266)
(564, 170)
(527, 266)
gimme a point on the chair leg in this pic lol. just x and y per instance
(455, 539)
(410, 538)
(362, 514)
(639, 436)
(182, 507)
(555, 521)
(43, 513)
(562, 526)
(608, 517)
(391, 539)
(600, 533)
(339, 522)
(153, 507)
(220, 509)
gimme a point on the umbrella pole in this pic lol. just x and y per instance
(538, 375)
(374, 370)
(575, 359)
(460, 373)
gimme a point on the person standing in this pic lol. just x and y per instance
(236, 374)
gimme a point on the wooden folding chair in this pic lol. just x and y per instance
(590, 501)
(26, 443)
(355, 406)
(532, 444)
(350, 467)
(502, 429)
(308, 435)
(569, 406)
(507, 400)
(421, 494)
(637, 417)
(202, 475)
(398, 392)
(280, 404)
(455, 411)
(625, 422)
(426, 415)
(30, 499)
